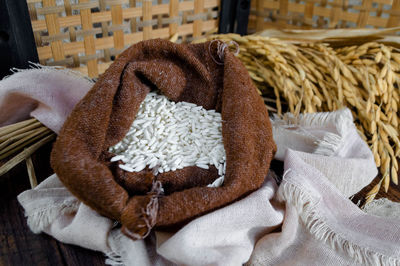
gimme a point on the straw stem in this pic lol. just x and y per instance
(25, 154)
(10, 128)
(19, 145)
(19, 131)
(31, 172)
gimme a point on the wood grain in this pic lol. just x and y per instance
(18, 245)
(393, 193)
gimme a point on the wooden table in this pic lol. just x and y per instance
(19, 246)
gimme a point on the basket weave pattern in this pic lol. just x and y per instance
(88, 34)
(308, 14)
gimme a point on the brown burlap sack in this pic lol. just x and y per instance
(182, 72)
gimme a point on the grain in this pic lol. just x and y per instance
(166, 136)
(314, 77)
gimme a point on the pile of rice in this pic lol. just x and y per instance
(166, 136)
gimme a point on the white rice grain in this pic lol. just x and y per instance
(166, 136)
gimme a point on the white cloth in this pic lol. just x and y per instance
(224, 237)
(48, 94)
(383, 207)
(307, 221)
(321, 227)
(329, 142)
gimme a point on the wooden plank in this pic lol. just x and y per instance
(101, 66)
(198, 23)
(394, 20)
(364, 14)
(186, 29)
(53, 27)
(283, 12)
(90, 48)
(308, 13)
(260, 8)
(377, 21)
(211, 3)
(116, 17)
(132, 4)
(147, 17)
(107, 42)
(132, 12)
(173, 13)
(336, 13)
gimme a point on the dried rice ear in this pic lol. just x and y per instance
(104, 115)
(313, 76)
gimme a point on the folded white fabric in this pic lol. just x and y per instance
(46, 93)
(309, 221)
(224, 237)
(329, 142)
(323, 227)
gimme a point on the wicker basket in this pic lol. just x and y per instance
(87, 34)
(323, 14)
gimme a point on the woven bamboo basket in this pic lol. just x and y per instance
(323, 14)
(86, 35)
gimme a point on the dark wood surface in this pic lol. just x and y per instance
(19, 246)
(393, 193)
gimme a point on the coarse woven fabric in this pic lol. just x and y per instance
(182, 72)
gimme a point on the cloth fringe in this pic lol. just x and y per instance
(150, 214)
(33, 66)
(338, 121)
(124, 251)
(341, 121)
(39, 219)
(114, 259)
(318, 227)
(115, 256)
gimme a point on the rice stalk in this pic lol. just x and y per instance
(315, 77)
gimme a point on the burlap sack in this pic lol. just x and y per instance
(182, 72)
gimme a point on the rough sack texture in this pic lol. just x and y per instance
(182, 72)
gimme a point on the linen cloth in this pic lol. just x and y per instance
(346, 160)
(48, 94)
(308, 220)
(383, 207)
(321, 227)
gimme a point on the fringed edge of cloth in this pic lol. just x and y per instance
(338, 122)
(321, 230)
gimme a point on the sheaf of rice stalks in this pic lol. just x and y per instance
(316, 77)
